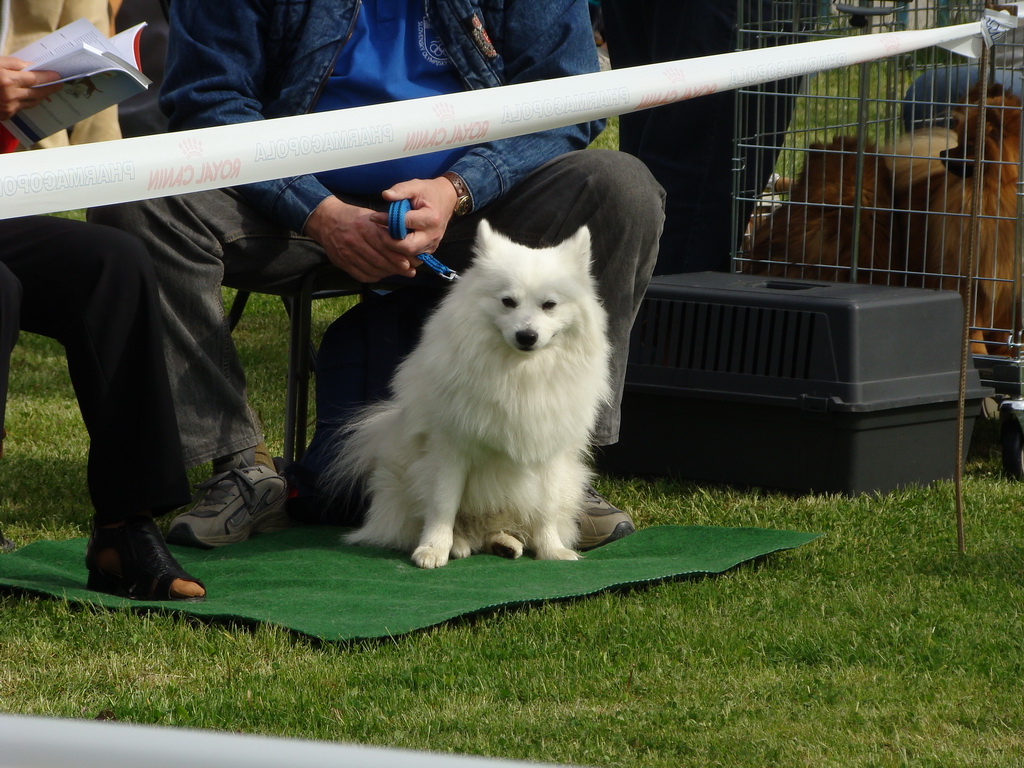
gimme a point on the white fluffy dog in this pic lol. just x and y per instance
(484, 443)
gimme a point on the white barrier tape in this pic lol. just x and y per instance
(50, 742)
(995, 24)
(67, 178)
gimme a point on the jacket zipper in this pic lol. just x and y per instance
(334, 61)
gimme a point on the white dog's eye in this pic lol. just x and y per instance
(509, 302)
(547, 306)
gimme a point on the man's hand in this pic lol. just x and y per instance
(357, 241)
(432, 202)
(16, 91)
(355, 244)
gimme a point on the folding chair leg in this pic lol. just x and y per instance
(297, 397)
(237, 308)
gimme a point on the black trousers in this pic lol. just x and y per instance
(93, 289)
(688, 146)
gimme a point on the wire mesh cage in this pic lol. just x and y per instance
(904, 171)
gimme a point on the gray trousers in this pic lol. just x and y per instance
(207, 239)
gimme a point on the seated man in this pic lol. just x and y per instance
(93, 290)
(253, 60)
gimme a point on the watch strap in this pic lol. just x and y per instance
(463, 198)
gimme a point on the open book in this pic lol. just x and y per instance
(96, 72)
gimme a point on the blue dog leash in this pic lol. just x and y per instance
(397, 230)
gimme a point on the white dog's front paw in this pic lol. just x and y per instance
(429, 557)
(558, 553)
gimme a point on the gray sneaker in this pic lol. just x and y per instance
(230, 507)
(600, 522)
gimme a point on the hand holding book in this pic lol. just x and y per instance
(22, 88)
(96, 73)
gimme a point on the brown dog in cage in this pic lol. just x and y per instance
(915, 204)
(812, 236)
(941, 221)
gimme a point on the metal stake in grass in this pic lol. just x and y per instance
(969, 280)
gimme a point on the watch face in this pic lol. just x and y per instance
(462, 205)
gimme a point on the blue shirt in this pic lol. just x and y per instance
(227, 65)
(392, 55)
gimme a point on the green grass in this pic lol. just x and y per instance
(876, 645)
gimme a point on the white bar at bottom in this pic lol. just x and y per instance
(46, 742)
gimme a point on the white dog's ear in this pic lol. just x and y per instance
(484, 231)
(485, 244)
(580, 246)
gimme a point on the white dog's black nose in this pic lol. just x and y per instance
(526, 339)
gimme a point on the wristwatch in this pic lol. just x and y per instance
(464, 200)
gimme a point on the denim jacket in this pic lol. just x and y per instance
(234, 61)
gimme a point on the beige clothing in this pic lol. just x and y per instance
(30, 20)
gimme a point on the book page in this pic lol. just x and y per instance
(59, 43)
(79, 62)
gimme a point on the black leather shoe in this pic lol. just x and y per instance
(147, 567)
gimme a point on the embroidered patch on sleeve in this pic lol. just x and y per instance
(480, 37)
